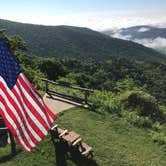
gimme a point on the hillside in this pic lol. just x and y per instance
(67, 41)
(122, 145)
(150, 36)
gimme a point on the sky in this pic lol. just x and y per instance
(94, 14)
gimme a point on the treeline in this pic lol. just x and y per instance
(117, 74)
(114, 75)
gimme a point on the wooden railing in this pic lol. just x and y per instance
(86, 92)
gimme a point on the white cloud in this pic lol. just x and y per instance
(120, 36)
(157, 43)
(143, 29)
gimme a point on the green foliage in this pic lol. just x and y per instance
(52, 68)
(158, 137)
(144, 104)
(118, 75)
(104, 101)
(126, 85)
(137, 120)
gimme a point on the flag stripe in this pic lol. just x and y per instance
(21, 113)
(33, 134)
(37, 96)
(30, 90)
(41, 123)
(16, 118)
(11, 123)
(31, 113)
(32, 101)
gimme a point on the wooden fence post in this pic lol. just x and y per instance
(46, 86)
(86, 97)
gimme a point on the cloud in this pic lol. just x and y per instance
(143, 29)
(120, 36)
(157, 43)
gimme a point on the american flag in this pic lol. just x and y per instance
(21, 106)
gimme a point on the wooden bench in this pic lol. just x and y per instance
(73, 140)
(86, 150)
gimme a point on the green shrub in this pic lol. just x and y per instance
(145, 104)
(138, 121)
(104, 101)
(159, 137)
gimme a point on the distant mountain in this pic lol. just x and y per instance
(150, 36)
(67, 41)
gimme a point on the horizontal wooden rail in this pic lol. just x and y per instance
(66, 84)
(67, 96)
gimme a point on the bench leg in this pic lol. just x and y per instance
(13, 144)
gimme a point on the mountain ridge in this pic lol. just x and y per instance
(69, 41)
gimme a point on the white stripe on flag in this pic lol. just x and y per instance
(43, 116)
(17, 117)
(14, 126)
(35, 94)
(23, 114)
(29, 114)
(32, 117)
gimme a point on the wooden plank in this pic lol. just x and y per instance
(86, 149)
(66, 84)
(71, 137)
(69, 97)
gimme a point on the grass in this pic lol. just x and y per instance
(114, 140)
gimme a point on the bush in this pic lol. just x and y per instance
(138, 121)
(145, 104)
(104, 101)
(159, 137)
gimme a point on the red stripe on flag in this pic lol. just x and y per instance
(24, 112)
(18, 124)
(11, 128)
(30, 92)
(33, 109)
(34, 112)
(39, 96)
(29, 121)
(16, 107)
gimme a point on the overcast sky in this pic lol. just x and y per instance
(95, 14)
